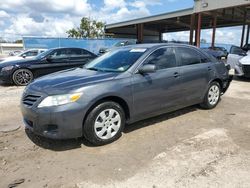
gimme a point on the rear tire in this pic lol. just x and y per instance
(212, 96)
(22, 77)
(104, 124)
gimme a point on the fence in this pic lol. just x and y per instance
(92, 45)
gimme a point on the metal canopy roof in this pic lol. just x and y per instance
(181, 21)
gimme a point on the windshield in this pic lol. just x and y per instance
(43, 54)
(118, 60)
(118, 44)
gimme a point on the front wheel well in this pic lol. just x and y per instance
(219, 81)
(116, 99)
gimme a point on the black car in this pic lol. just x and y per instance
(22, 72)
(116, 45)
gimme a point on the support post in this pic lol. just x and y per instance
(214, 30)
(140, 33)
(248, 30)
(242, 36)
(243, 29)
(160, 36)
(192, 25)
(198, 35)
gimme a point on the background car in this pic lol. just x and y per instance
(125, 85)
(22, 72)
(26, 54)
(118, 44)
(217, 52)
(14, 53)
(222, 49)
(239, 60)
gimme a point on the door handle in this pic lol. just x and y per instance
(209, 69)
(176, 75)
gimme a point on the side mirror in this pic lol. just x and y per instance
(148, 68)
(24, 55)
(49, 58)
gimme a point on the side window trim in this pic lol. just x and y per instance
(162, 47)
(179, 56)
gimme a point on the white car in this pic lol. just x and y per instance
(26, 54)
(239, 60)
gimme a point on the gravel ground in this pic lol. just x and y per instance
(187, 148)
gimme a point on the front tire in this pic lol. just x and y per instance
(22, 77)
(104, 124)
(212, 96)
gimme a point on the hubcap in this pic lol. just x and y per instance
(213, 95)
(23, 77)
(107, 124)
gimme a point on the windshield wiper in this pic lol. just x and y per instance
(93, 68)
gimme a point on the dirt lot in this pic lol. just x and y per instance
(187, 148)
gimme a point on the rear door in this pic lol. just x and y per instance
(79, 57)
(196, 71)
(159, 91)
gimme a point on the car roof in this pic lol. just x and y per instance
(155, 45)
(66, 48)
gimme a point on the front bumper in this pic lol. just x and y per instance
(243, 70)
(5, 76)
(226, 83)
(60, 122)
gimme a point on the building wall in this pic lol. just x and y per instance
(205, 5)
(5, 48)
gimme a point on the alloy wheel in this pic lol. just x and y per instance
(107, 124)
(213, 95)
(22, 77)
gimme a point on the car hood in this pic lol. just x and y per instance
(245, 60)
(5, 63)
(69, 80)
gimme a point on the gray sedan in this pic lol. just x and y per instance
(124, 85)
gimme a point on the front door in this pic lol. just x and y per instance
(156, 92)
(56, 61)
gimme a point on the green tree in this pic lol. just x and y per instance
(87, 29)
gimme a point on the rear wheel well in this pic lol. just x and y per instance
(118, 100)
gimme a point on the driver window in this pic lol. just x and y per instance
(31, 53)
(163, 58)
(61, 53)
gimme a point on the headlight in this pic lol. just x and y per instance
(239, 63)
(57, 100)
(7, 68)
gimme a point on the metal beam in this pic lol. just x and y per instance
(214, 29)
(248, 30)
(243, 29)
(140, 32)
(192, 25)
(198, 35)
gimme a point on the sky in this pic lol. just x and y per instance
(54, 17)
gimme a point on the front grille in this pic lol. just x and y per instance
(29, 100)
(246, 70)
